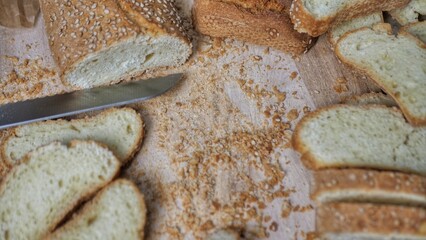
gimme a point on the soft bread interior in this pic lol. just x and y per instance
(323, 8)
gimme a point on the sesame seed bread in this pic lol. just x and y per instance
(100, 43)
(417, 29)
(262, 22)
(352, 221)
(315, 17)
(371, 98)
(410, 13)
(121, 129)
(360, 185)
(397, 64)
(48, 183)
(339, 30)
(117, 212)
(369, 136)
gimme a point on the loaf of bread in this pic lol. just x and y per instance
(371, 98)
(48, 183)
(99, 43)
(315, 17)
(397, 64)
(369, 136)
(417, 29)
(339, 30)
(338, 221)
(121, 129)
(359, 185)
(410, 13)
(116, 212)
(261, 22)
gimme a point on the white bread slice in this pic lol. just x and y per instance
(352, 221)
(397, 64)
(48, 183)
(369, 136)
(101, 43)
(315, 17)
(337, 31)
(117, 212)
(121, 129)
(410, 13)
(371, 98)
(360, 185)
(417, 29)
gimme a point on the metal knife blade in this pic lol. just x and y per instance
(57, 106)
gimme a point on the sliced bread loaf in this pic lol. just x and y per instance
(315, 17)
(121, 129)
(417, 29)
(371, 98)
(117, 212)
(410, 13)
(369, 136)
(359, 185)
(370, 221)
(339, 30)
(397, 64)
(49, 182)
(261, 22)
(100, 43)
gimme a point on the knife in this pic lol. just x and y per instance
(67, 104)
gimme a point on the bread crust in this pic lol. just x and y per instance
(375, 219)
(368, 182)
(263, 27)
(87, 207)
(305, 22)
(388, 29)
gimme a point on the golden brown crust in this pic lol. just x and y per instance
(305, 22)
(368, 181)
(97, 198)
(267, 28)
(386, 28)
(371, 219)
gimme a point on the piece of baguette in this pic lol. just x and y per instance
(410, 13)
(353, 221)
(360, 185)
(371, 98)
(100, 43)
(337, 31)
(315, 17)
(262, 22)
(121, 129)
(417, 29)
(48, 183)
(369, 136)
(397, 64)
(116, 212)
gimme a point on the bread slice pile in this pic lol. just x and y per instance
(370, 170)
(60, 166)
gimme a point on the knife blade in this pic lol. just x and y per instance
(67, 104)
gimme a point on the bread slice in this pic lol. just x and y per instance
(101, 43)
(397, 64)
(417, 29)
(49, 182)
(336, 32)
(121, 129)
(360, 185)
(315, 17)
(117, 212)
(371, 98)
(260, 22)
(410, 13)
(369, 136)
(370, 221)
